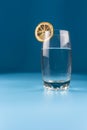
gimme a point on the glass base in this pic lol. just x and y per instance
(53, 85)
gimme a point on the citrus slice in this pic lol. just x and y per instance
(44, 31)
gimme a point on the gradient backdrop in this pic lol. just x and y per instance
(20, 51)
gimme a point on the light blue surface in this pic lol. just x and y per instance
(25, 105)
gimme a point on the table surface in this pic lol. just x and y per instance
(25, 105)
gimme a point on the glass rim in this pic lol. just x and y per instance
(57, 31)
(61, 32)
(61, 29)
(66, 48)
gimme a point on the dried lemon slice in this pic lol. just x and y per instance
(44, 31)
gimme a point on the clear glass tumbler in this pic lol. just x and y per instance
(56, 60)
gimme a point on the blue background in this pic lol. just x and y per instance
(20, 51)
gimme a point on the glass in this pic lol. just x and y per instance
(56, 60)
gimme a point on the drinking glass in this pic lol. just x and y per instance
(56, 60)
